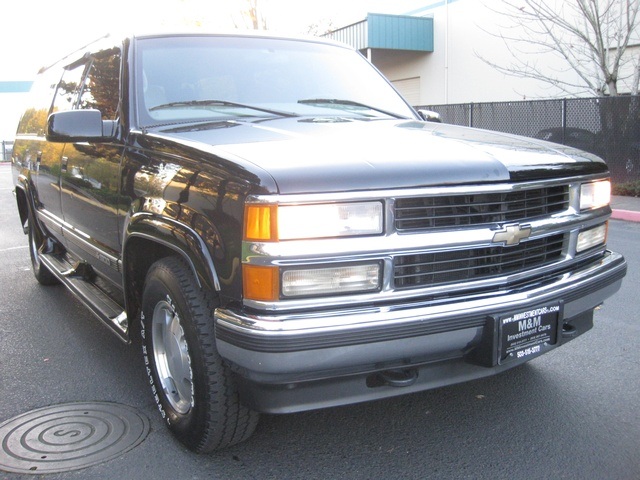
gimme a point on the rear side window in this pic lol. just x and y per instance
(34, 119)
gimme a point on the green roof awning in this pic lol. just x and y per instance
(388, 32)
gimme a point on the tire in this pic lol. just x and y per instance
(36, 240)
(194, 392)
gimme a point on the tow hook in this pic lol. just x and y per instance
(402, 377)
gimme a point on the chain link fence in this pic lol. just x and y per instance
(608, 127)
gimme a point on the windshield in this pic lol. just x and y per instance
(203, 78)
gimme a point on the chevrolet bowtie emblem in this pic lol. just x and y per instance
(512, 234)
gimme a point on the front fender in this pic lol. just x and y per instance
(175, 236)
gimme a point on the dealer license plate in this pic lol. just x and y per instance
(528, 333)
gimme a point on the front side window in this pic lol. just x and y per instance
(92, 82)
(69, 87)
(100, 89)
(191, 78)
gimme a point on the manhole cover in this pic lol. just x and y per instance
(69, 437)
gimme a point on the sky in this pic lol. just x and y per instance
(37, 33)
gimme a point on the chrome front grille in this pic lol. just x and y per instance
(451, 211)
(447, 267)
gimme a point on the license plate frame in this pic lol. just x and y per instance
(528, 332)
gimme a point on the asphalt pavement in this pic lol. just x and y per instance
(572, 413)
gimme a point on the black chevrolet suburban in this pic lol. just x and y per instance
(280, 231)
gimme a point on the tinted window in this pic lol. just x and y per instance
(34, 119)
(68, 88)
(101, 84)
(263, 72)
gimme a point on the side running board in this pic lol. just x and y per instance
(78, 279)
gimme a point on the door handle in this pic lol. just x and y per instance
(63, 166)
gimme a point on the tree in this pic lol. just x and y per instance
(321, 27)
(252, 16)
(591, 37)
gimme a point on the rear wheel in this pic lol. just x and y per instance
(195, 393)
(36, 241)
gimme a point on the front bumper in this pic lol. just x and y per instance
(300, 361)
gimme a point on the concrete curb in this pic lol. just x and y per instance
(627, 215)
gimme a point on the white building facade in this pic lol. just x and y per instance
(12, 97)
(464, 34)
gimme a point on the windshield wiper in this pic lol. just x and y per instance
(222, 103)
(348, 103)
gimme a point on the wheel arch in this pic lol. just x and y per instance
(24, 201)
(148, 238)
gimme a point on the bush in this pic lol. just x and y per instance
(629, 189)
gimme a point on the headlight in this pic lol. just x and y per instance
(293, 222)
(592, 238)
(595, 195)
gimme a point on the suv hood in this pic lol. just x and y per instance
(314, 155)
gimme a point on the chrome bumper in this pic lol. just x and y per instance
(279, 349)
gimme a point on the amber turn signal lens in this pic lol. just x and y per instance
(260, 283)
(260, 223)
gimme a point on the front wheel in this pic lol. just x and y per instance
(195, 393)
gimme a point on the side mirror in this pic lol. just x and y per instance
(79, 126)
(430, 116)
